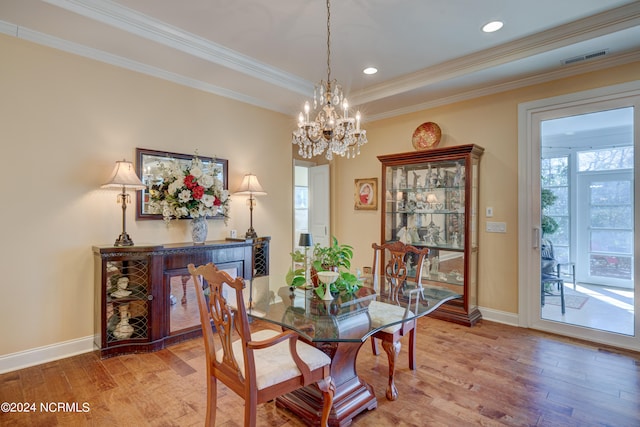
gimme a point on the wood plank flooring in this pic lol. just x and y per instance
(490, 375)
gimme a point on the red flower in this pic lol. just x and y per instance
(189, 182)
(217, 202)
(197, 192)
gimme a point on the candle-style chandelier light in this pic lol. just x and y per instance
(332, 131)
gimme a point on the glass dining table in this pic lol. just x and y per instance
(339, 327)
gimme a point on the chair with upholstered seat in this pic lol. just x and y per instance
(396, 274)
(257, 366)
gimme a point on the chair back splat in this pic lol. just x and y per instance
(258, 366)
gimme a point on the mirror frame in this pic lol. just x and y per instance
(144, 159)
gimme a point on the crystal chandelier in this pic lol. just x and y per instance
(332, 130)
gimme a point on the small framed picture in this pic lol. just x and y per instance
(366, 194)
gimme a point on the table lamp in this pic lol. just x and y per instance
(306, 241)
(250, 186)
(124, 177)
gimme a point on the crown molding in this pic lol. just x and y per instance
(618, 19)
(118, 16)
(118, 61)
(573, 70)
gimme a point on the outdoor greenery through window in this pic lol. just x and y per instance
(609, 159)
(555, 178)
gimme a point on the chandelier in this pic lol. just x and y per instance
(332, 131)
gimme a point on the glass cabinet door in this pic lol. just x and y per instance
(431, 200)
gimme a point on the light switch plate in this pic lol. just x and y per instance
(496, 227)
(489, 212)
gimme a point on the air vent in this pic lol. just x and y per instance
(585, 57)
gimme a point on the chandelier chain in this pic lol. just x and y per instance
(328, 44)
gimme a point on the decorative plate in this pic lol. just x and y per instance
(426, 136)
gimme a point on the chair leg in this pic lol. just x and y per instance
(250, 413)
(374, 346)
(328, 389)
(561, 284)
(412, 349)
(212, 397)
(392, 349)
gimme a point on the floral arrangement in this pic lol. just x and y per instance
(189, 190)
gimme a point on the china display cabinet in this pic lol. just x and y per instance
(431, 199)
(144, 295)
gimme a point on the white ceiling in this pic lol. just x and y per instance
(270, 53)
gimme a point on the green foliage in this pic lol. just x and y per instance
(548, 224)
(335, 255)
(296, 277)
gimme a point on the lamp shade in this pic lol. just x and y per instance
(250, 186)
(124, 175)
(305, 240)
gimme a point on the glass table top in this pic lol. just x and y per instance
(348, 318)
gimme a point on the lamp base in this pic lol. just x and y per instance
(123, 240)
(251, 233)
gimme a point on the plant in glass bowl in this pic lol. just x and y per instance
(336, 257)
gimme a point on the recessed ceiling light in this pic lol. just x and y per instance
(492, 26)
(370, 70)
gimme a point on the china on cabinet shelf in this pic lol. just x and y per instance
(430, 198)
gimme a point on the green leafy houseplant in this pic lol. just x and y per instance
(295, 277)
(336, 257)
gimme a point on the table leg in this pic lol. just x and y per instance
(185, 279)
(353, 395)
(393, 350)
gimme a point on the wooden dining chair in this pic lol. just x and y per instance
(396, 274)
(257, 366)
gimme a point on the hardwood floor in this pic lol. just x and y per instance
(491, 375)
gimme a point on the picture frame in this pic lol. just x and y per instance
(147, 164)
(366, 194)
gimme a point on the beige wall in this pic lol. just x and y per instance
(64, 121)
(490, 122)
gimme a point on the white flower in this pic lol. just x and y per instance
(182, 211)
(205, 180)
(196, 172)
(175, 186)
(208, 200)
(224, 195)
(184, 196)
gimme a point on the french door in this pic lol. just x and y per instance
(598, 229)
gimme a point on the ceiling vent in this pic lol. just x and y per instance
(585, 57)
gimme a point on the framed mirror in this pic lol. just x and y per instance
(148, 166)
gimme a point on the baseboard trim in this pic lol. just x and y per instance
(498, 316)
(49, 353)
(36, 356)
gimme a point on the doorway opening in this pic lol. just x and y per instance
(311, 208)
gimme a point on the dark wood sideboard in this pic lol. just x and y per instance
(155, 306)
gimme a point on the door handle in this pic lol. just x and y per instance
(536, 237)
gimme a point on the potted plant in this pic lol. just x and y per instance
(335, 257)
